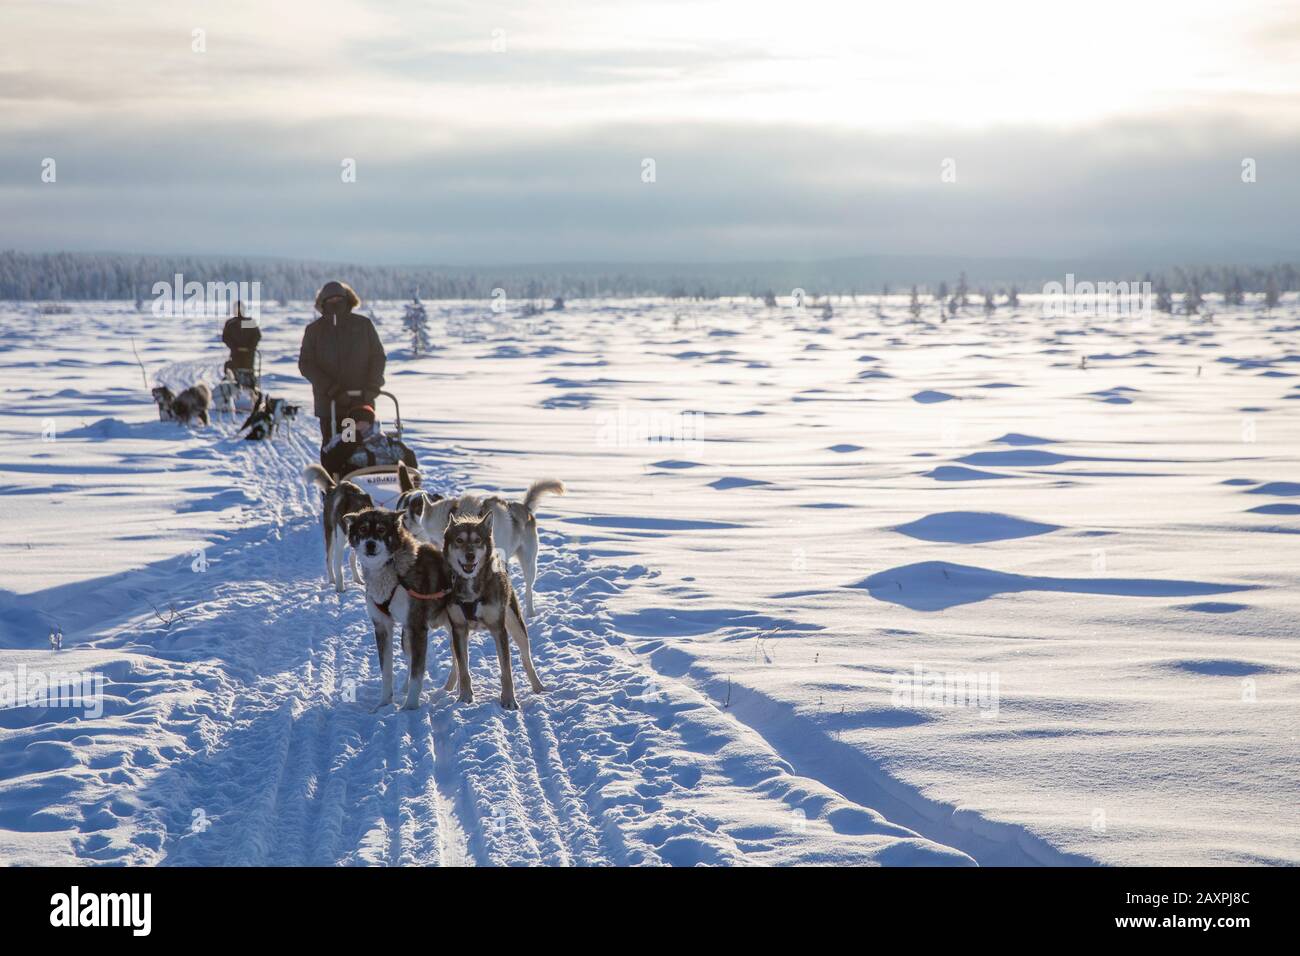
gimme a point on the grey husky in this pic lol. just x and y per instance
(339, 499)
(192, 403)
(406, 581)
(514, 523)
(481, 597)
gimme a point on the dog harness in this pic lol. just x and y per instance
(469, 609)
(435, 596)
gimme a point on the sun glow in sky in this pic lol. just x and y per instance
(932, 62)
(262, 87)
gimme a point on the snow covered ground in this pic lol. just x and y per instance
(741, 625)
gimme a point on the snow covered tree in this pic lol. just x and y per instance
(915, 305)
(416, 322)
(1192, 298)
(962, 290)
(1164, 298)
(989, 304)
(1271, 295)
(1288, 278)
(1013, 298)
(1233, 292)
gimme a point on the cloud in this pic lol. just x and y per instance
(817, 132)
(739, 191)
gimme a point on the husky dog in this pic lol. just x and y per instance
(260, 425)
(268, 416)
(281, 412)
(340, 499)
(406, 581)
(514, 523)
(223, 396)
(484, 598)
(414, 502)
(164, 398)
(192, 403)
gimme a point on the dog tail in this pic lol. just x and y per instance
(319, 477)
(404, 480)
(542, 486)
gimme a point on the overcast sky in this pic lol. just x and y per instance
(490, 132)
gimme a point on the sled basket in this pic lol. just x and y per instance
(247, 382)
(381, 481)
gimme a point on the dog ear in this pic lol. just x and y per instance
(347, 520)
(417, 507)
(485, 522)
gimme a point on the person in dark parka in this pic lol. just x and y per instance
(341, 356)
(241, 335)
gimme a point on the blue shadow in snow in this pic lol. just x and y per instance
(939, 585)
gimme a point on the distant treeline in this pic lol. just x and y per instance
(89, 276)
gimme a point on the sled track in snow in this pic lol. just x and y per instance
(284, 762)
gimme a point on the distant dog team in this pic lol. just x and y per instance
(267, 417)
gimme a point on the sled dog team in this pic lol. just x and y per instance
(436, 562)
(268, 414)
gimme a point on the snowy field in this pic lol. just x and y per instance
(741, 626)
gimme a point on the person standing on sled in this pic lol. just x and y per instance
(341, 356)
(241, 336)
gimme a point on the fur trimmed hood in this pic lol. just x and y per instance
(337, 288)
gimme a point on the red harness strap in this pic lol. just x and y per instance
(435, 596)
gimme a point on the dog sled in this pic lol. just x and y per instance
(247, 385)
(378, 478)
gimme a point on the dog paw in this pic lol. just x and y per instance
(509, 703)
(466, 698)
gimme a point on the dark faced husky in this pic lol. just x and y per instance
(164, 397)
(514, 523)
(339, 499)
(406, 581)
(484, 599)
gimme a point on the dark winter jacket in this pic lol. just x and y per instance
(344, 360)
(241, 340)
